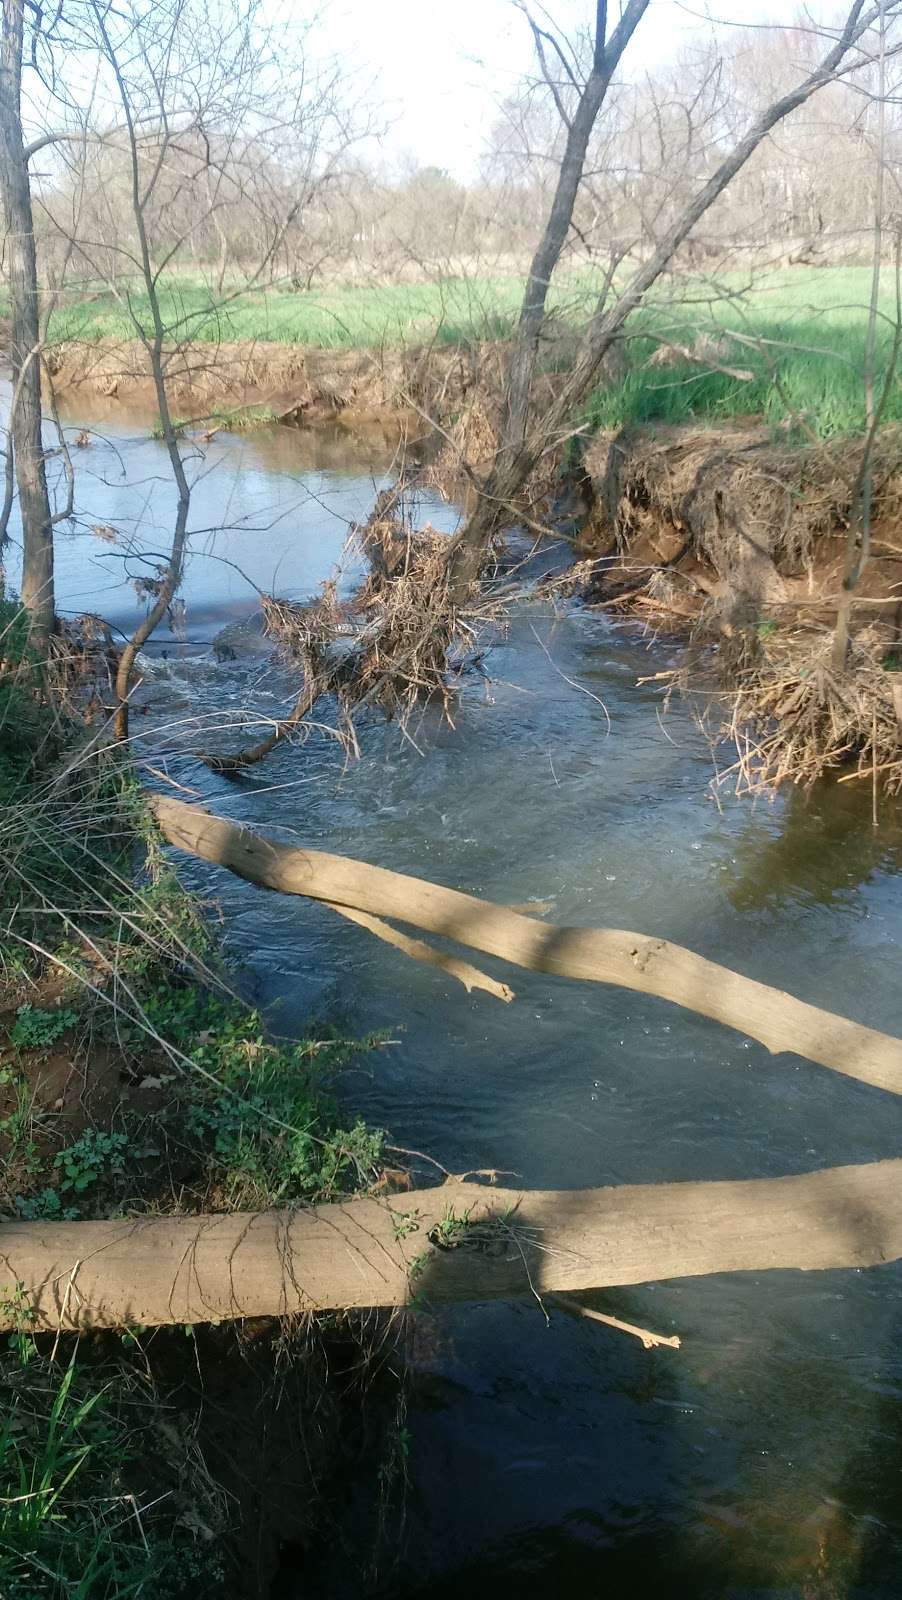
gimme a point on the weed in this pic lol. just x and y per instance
(15, 1127)
(257, 1110)
(447, 1233)
(17, 1311)
(45, 1206)
(94, 1156)
(36, 1029)
(419, 1264)
(404, 1223)
(69, 1527)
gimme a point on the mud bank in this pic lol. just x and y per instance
(292, 383)
(732, 516)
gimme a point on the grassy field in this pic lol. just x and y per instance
(799, 333)
(344, 317)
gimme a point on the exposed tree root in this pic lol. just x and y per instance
(740, 540)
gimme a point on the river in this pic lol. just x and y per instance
(763, 1458)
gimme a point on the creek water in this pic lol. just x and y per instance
(764, 1458)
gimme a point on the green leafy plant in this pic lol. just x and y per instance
(45, 1206)
(95, 1155)
(258, 1108)
(35, 1028)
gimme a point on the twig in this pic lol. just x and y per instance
(648, 1340)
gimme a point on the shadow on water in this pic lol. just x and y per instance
(825, 844)
(540, 1452)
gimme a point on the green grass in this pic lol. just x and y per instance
(813, 319)
(238, 420)
(347, 316)
(807, 366)
(77, 1437)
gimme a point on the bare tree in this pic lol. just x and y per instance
(526, 436)
(175, 150)
(25, 453)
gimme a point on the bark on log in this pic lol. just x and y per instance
(377, 1252)
(601, 955)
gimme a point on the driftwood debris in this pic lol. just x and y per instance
(388, 1251)
(600, 955)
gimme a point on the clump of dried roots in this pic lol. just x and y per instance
(794, 719)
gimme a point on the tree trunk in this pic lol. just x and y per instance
(378, 1251)
(600, 955)
(25, 337)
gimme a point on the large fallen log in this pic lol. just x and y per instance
(391, 1250)
(601, 955)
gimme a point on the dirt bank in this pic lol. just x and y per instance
(294, 383)
(742, 539)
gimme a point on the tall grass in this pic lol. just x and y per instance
(343, 317)
(73, 1432)
(799, 335)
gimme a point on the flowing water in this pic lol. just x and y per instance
(764, 1457)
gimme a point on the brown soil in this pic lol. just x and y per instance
(300, 384)
(75, 1083)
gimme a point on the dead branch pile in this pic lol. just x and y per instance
(394, 644)
(793, 718)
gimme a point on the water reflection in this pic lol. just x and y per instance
(270, 509)
(823, 846)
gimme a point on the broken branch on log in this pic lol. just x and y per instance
(373, 1251)
(600, 955)
(419, 950)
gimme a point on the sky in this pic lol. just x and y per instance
(442, 67)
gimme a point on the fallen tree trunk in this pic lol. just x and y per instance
(378, 1251)
(601, 955)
